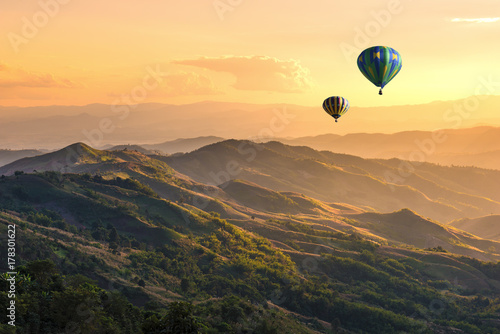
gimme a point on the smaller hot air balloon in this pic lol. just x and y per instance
(336, 106)
(379, 64)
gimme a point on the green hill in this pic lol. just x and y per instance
(278, 275)
(326, 194)
(242, 256)
(74, 158)
(134, 245)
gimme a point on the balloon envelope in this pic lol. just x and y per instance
(380, 64)
(336, 106)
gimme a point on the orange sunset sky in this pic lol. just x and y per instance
(77, 52)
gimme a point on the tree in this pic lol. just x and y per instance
(113, 246)
(180, 320)
(113, 235)
(266, 327)
(41, 270)
(185, 284)
(7, 329)
(335, 325)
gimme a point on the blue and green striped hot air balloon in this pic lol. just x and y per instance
(336, 106)
(380, 64)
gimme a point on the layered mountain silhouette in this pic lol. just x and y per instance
(286, 236)
(242, 179)
(56, 126)
(442, 193)
(476, 146)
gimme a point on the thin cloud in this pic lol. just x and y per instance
(478, 20)
(188, 84)
(258, 72)
(181, 84)
(15, 77)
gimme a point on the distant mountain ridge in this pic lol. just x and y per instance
(476, 146)
(154, 122)
(8, 156)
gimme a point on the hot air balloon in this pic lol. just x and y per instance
(336, 106)
(380, 64)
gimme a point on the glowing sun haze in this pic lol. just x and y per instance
(81, 52)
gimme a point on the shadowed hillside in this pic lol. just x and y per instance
(405, 226)
(487, 227)
(8, 156)
(442, 193)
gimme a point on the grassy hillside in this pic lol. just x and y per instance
(126, 239)
(341, 193)
(183, 145)
(406, 227)
(437, 192)
(81, 158)
(137, 148)
(72, 158)
(487, 227)
(403, 227)
(309, 278)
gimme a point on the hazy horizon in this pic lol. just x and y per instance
(49, 127)
(133, 58)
